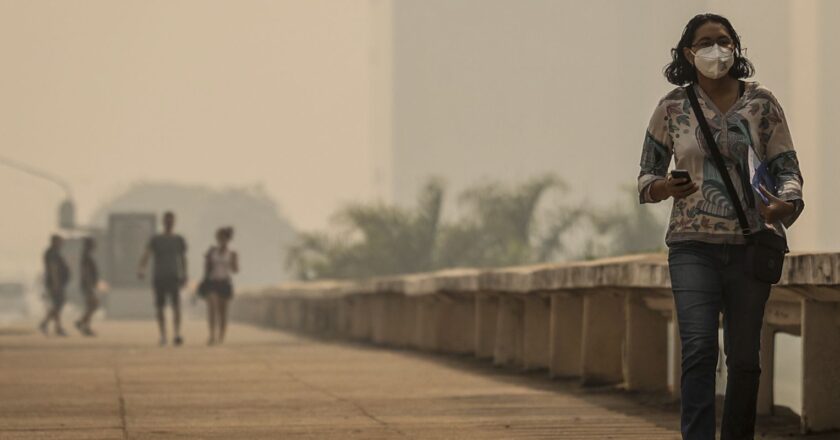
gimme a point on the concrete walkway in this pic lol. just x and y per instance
(265, 384)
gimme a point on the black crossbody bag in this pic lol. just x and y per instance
(766, 250)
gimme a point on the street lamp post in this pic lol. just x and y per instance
(67, 208)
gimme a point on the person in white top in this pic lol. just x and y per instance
(220, 263)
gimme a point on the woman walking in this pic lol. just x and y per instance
(217, 287)
(738, 177)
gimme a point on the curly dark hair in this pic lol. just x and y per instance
(225, 232)
(680, 72)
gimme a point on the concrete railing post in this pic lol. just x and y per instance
(765, 388)
(645, 347)
(411, 310)
(820, 366)
(603, 337)
(486, 314)
(361, 321)
(379, 318)
(395, 321)
(342, 317)
(275, 313)
(405, 322)
(309, 311)
(508, 349)
(298, 310)
(427, 323)
(565, 327)
(456, 323)
(260, 310)
(536, 345)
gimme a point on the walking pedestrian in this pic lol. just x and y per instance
(56, 277)
(736, 187)
(169, 251)
(89, 279)
(221, 262)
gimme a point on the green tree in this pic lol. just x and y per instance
(627, 228)
(500, 226)
(373, 239)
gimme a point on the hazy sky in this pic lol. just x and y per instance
(283, 93)
(508, 89)
(106, 93)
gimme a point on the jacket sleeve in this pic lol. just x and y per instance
(657, 150)
(780, 156)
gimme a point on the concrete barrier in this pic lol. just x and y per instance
(604, 321)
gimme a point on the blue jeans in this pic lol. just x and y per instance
(708, 279)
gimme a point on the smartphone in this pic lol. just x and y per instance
(681, 174)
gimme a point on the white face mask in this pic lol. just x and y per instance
(714, 62)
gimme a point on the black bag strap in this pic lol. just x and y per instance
(718, 159)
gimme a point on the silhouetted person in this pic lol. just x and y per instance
(220, 264)
(169, 251)
(56, 277)
(89, 279)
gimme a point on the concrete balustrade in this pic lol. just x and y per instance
(604, 322)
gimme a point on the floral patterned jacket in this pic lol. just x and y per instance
(752, 133)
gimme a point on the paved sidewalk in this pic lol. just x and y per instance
(265, 384)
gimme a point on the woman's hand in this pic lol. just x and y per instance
(777, 209)
(677, 188)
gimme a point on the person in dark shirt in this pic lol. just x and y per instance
(169, 252)
(56, 277)
(89, 278)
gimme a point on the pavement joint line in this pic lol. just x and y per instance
(121, 400)
(329, 393)
(355, 404)
(58, 429)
